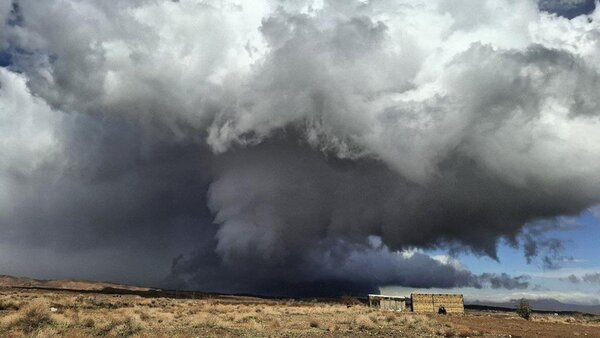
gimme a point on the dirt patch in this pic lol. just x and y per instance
(510, 324)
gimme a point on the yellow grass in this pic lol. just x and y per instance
(28, 314)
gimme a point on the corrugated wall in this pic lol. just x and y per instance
(392, 304)
(387, 302)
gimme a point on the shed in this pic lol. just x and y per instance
(394, 303)
(431, 303)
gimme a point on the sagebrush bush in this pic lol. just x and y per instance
(349, 300)
(524, 309)
(32, 317)
(8, 306)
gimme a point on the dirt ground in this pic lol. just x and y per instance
(40, 313)
(505, 325)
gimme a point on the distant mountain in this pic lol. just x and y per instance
(64, 284)
(547, 305)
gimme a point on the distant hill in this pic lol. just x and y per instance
(546, 305)
(85, 286)
(65, 284)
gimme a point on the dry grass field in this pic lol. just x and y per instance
(40, 313)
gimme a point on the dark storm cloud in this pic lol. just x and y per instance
(331, 270)
(504, 281)
(571, 278)
(568, 8)
(291, 148)
(75, 185)
(537, 244)
(592, 278)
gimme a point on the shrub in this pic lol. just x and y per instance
(524, 309)
(275, 325)
(349, 300)
(8, 306)
(126, 328)
(122, 327)
(89, 322)
(33, 317)
(390, 318)
(333, 327)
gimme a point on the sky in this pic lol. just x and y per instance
(580, 251)
(304, 147)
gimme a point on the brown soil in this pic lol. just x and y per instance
(506, 325)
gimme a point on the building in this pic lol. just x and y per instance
(420, 303)
(383, 302)
(431, 303)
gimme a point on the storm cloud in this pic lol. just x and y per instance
(592, 278)
(568, 8)
(293, 147)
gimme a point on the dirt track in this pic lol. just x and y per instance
(511, 325)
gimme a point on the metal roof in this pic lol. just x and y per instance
(385, 296)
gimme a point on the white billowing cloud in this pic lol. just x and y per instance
(147, 60)
(364, 79)
(28, 128)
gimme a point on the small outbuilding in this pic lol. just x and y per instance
(394, 303)
(435, 303)
(420, 303)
